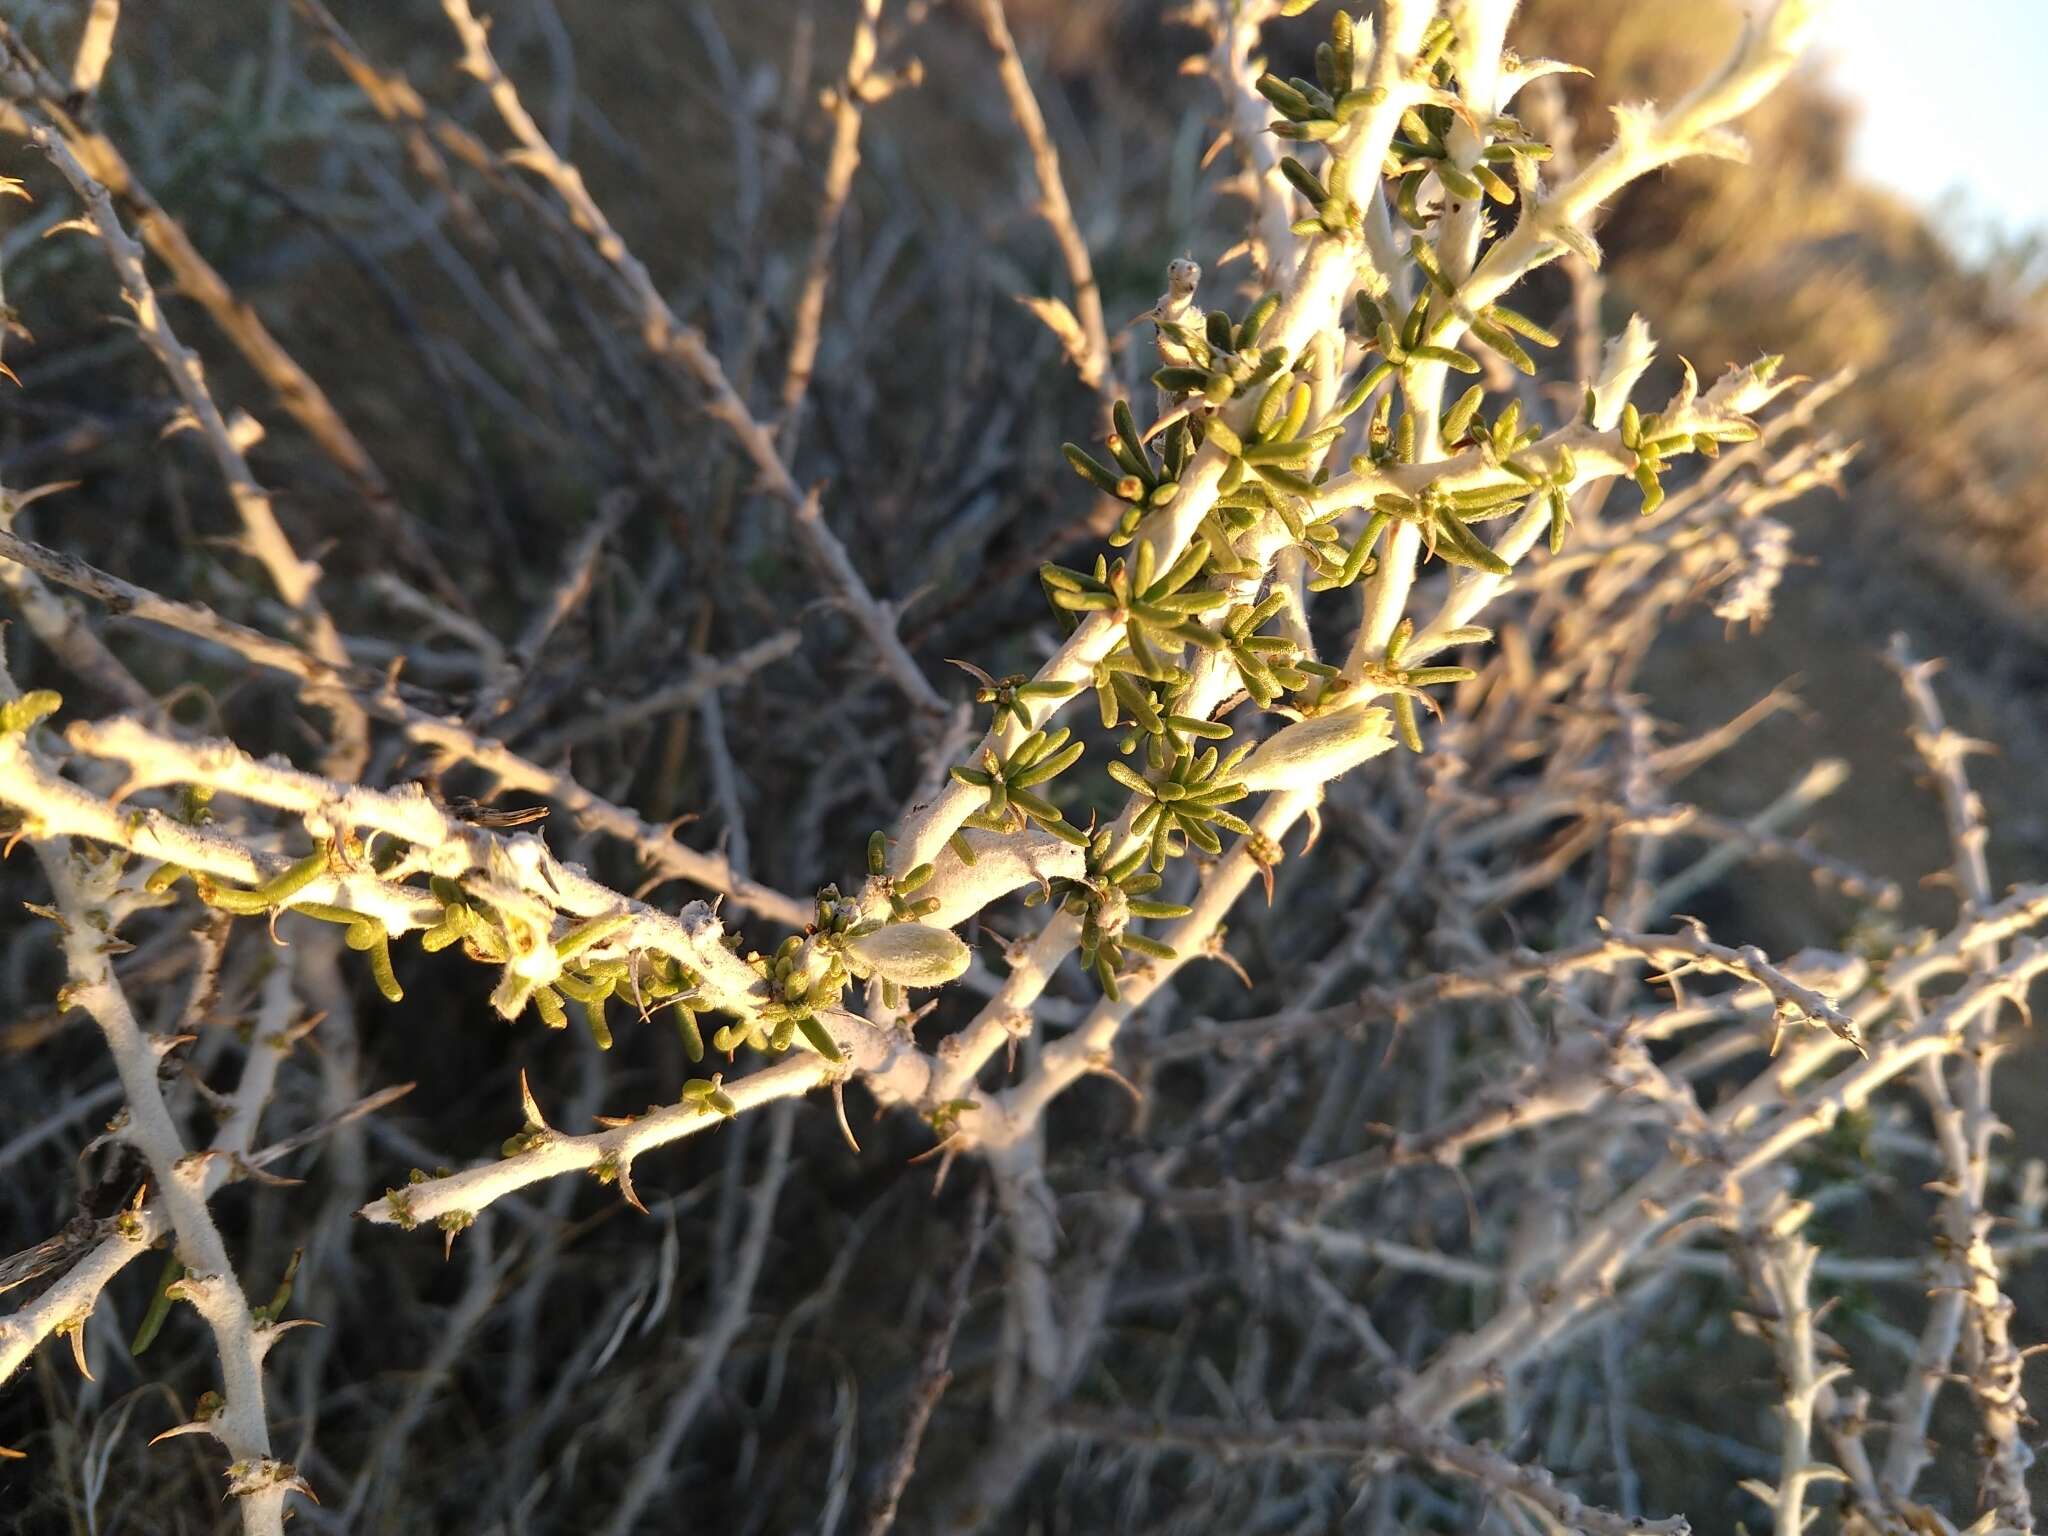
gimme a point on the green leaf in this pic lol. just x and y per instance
(1090, 468)
(17, 715)
(820, 1038)
(1460, 546)
(1304, 180)
(1255, 321)
(1288, 101)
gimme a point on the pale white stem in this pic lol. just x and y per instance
(1237, 28)
(449, 738)
(1971, 1308)
(1644, 143)
(1008, 1015)
(891, 1067)
(70, 1301)
(257, 1480)
(1781, 1266)
(1768, 1127)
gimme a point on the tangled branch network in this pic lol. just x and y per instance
(1340, 603)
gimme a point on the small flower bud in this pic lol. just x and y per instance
(910, 954)
(1311, 752)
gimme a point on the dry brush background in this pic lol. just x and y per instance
(1423, 1181)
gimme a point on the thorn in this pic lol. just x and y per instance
(1213, 948)
(1315, 828)
(527, 1102)
(940, 1149)
(945, 1166)
(839, 1108)
(1265, 876)
(626, 1189)
(294, 1033)
(1102, 1068)
(249, 1170)
(191, 1427)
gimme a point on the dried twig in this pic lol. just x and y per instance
(669, 339)
(263, 537)
(1081, 328)
(933, 1376)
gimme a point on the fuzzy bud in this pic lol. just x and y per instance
(1314, 751)
(910, 954)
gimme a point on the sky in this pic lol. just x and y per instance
(1953, 99)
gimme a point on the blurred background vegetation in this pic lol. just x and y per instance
(449, 336)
